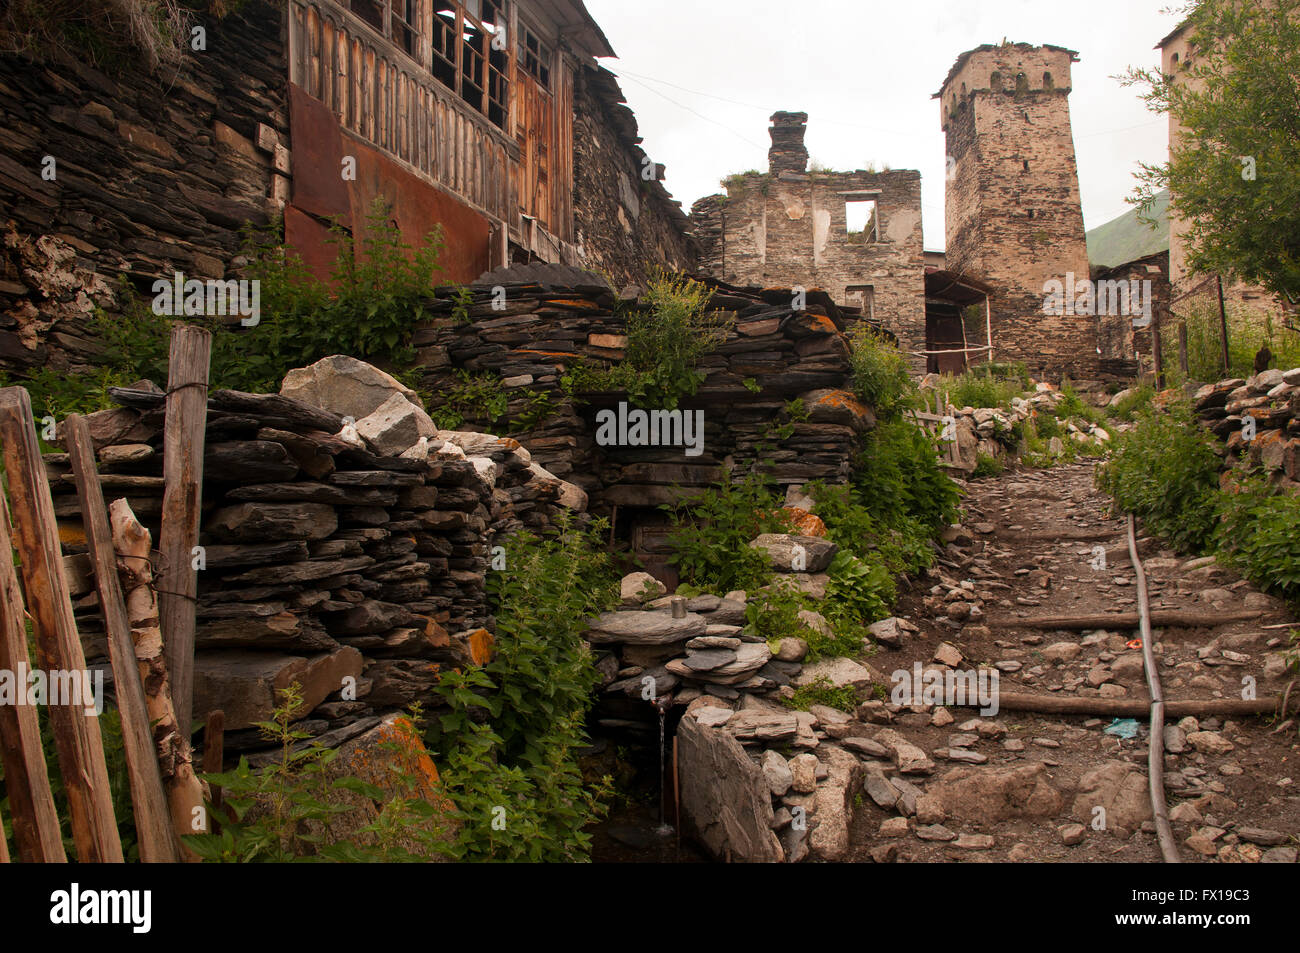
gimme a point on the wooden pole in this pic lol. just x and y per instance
(183, 438)
(175, 759)
(214, 754)
(1158, 354)
(1182, 347)
(58, 645)
(4, 847)
(36, 822)
(1223, 324)
(152, 821)
(1128, 620)
(1128, 707)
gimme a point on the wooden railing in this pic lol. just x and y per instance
(391, 101)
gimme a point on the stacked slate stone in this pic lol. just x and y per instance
(1271, 399)
(327, 559)
(529, 326)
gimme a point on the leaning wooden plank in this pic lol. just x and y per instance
(58, 645)
(172, 747)
(152, 821)
(36, 822)
(183, 437)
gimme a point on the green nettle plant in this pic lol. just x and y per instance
(1165, 472)
(1259, 534)
(712, 531)
(1234, 175)
(880, 375)
(510, 743)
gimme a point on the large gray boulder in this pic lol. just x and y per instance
(345, 386)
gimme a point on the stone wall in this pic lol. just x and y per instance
(790, 229)
(626, 225)
(1014, 217)
(552, 319)
(329, 551)
(152, 174)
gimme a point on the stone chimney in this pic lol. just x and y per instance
(788, 153)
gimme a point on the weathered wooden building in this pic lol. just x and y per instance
(491, 119)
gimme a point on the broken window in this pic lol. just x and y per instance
(406, 26)
(537, 58)
(471, 53)
(864, 297)
(862, 218)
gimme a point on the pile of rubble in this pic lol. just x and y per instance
(1259, 421)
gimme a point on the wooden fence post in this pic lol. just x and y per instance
(152, 820)
(27, 781)
(183, 439)
(58, 645)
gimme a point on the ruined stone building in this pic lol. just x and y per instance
(488, 118)
(1014, 219)
(854, 235)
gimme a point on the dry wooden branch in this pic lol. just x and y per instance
(58, 645)
(148, 801)
(175, 759)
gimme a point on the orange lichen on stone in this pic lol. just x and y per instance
(844, 399)
(480, 647)
(821, 323)
(805, 523)
(557, 355)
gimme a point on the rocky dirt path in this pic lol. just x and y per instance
(953, 786)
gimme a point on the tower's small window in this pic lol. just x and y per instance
(1031, 213)
(862, 219)
(1022, 84)
(1047, 81)
(1176, 59)
(995, 81)
(1026, 165)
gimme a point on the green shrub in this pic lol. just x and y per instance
(1140, 398)
(860, 591)
(899, 478)
(1260, 536)
(903, 546)
(665, 345)
(520, 764)
(1165, 472)
(776, 616)
(880, 375)
(987, 466)
(712, 531)
(981, 387)
(823, 692)
(368, 310)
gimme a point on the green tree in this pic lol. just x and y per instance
(1235, 174)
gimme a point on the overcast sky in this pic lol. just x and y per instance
(703, 78)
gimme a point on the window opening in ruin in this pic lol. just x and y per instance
(1026, 165)
(537, 58)
(463, 57)
(1022, 84)
(372, 11)
(862, 219)
(864, 297)
(1047, 81)
(995, 81)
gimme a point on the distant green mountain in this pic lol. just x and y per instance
(1125, 238)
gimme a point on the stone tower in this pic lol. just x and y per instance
(1014, 218)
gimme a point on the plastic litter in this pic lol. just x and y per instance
(1123, 728)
